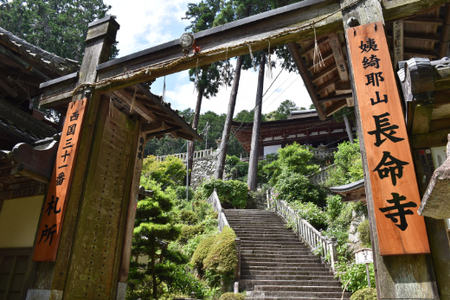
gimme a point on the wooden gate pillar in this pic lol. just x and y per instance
(399, 276)
(91, 249)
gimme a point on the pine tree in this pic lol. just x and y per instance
(153, 227)
(58, 26)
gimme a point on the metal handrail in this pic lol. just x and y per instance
(320, 245)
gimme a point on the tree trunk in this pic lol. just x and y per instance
(153, 262)
(348, 128)
(254, 151)
(194, 125)
(218, 174)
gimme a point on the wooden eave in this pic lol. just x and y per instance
(426, 93)
(159, 117)
(24, 66)
(26, 170)
(351, 192)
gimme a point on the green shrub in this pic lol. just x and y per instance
(294, 159)
(348, 165)
(222, 257)
(190, 231)
(355, 275)
(294, 186)
(232, 296)
(201, 252)
(188, 217)
(364, 232)
(231, 192)
(311, 213)
(235, 169)
(365, 294)
(221, 261)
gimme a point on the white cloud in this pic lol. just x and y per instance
(147, 23)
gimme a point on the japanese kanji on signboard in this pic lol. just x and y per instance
(392, 177)
(49, 232)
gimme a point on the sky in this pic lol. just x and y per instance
(147, 23)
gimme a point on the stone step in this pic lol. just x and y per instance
(278, 257)
(273, 245)
(262, 271)
(346, 296)
(280, 265)
(306, 294)
(280, 260)
(275, 263)
(268, 239)
(324, 276)
(248, 284)
(277, 252)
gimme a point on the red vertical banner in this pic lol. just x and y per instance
(50, 228)
(395, 191)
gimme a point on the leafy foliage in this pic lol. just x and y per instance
(293, 186)
(59, 27)
(235, 168)
(348, 165)
(222, 258)
(153, 222)
(168, 172)
(232, 296)
(355, 275)
(365, 294)
(364, 232)
(201, 253)
(294, 158)
(231, 192)
(311, 213)
(283, 111)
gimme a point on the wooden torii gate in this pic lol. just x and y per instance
(108, 84)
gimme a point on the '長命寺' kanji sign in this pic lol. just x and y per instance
(50, 227)
(392, 177)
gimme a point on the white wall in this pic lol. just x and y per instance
(19, 221)
(271, 149)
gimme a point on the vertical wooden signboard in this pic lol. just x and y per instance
(392, 177)
(50, 227)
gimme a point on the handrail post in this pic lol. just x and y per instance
(237, 273)
(333, 252)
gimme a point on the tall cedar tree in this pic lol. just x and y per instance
(153, 224)
(207, 79)
(58, 26)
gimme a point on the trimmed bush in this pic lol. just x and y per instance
(232, 296)
(365, 294)
(189, 231)
(222, 257)
(230, 192)
(201, 252)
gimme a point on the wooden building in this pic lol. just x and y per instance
(303, 127)
(27, 153)
(29, 145)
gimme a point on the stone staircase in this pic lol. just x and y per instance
(275, 264)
